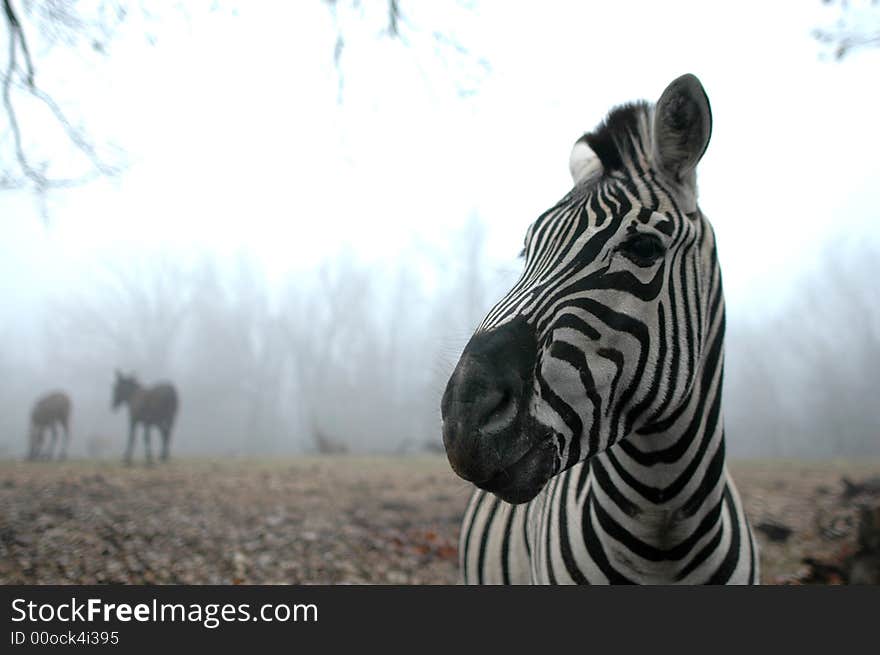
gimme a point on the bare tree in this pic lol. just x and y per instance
(398, 21)
(803, 382)
(235, 362)
(351, 357)
(53, 21)
(133, 313)
(50, 23)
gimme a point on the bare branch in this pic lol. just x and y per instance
(393, 18)
(400, 27)
(26, 168)
(30, 172)
(76, 136)
(16, 37)
(857, 26)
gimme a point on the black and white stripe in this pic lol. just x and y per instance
(587, 406)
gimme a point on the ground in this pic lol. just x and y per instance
(334, 519)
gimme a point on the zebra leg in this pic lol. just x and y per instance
(36, 441)
(128, 451)
(50, 451)
(147, 448)
(66, 441)
(166, 438)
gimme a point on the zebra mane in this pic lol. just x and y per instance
(622, 136)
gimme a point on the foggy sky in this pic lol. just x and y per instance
(240, 145)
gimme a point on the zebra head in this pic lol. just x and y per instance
(602, 335)
(124, 388)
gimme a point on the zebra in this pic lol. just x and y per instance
(586, 407)
(48, 412)
(156, 405)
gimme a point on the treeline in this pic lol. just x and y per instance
(349, 357)
(803, 381)
(354, 356)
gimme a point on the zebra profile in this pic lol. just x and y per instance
(586, 408)
(147, 406)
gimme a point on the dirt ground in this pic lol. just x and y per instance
(335, 519)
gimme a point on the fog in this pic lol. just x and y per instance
(302, 235)
(348, 357)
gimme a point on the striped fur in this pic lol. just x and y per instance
(627, 378)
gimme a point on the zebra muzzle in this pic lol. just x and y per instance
(485, 424)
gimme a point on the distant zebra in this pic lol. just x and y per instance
(49, 412)
(156, 405)
(587, 405)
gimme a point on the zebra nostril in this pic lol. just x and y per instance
(500, 412)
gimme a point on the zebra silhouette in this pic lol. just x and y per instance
(50, 412)
(147, 406)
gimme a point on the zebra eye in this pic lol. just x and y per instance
(642, 249)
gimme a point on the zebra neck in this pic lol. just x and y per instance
(669, 484)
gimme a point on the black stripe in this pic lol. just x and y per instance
(616, 357)
(564, 544)
(623, 281)
(594, 548)
(576, 358)
(659, 495)
(654, 387)
(690, 346)
(476, 503)
(711, 477)
(701, 556)
(582, 478)
(481, 559)
(611, 490)
(566, 413)
(505, 547)
(599, 213)
(648, 551)
(710, 367)
(728, 566)
(576, 323)
(548, 545)
(753, 573)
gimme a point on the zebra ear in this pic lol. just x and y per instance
(583, 162)
(682, 127)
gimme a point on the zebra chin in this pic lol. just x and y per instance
(514, 464)
(521, 481)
